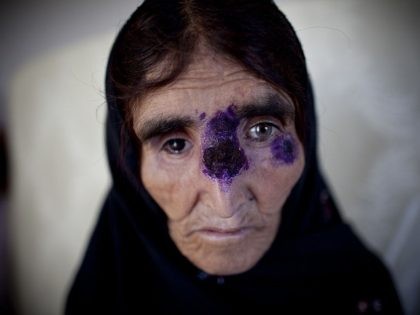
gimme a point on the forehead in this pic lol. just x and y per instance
(208, 84)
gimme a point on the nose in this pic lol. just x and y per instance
(225, 160)
(223, 199)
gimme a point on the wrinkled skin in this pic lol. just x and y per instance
(223, 227)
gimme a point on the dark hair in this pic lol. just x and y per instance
(252, 33)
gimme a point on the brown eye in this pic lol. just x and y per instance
(176, 146)
(261, 132)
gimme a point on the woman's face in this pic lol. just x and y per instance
(220, 155)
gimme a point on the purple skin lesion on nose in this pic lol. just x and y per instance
(202, 116)
(223, 158)
(284, 149)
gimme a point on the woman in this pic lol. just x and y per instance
(218, 205)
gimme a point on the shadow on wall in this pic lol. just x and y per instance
(59, 169)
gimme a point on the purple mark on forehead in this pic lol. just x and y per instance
(202, 116)
(223, 158)
(284, 149)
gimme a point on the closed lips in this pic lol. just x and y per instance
(222, 231)
(219, 233)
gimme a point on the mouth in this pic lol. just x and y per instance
(215, 234)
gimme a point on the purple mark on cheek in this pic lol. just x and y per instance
(223, 158)
(284, 149)
(202, 116)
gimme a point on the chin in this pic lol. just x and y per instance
(226, 265)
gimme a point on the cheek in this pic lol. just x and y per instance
(170, 186)
(284, 149)
(272, 177)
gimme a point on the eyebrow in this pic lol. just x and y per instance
(271, 105)
(163, 125)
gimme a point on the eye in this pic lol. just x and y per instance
(176, 146)
(261, 131)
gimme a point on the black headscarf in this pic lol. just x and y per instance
(315, 264)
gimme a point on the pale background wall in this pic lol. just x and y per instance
(364, 60)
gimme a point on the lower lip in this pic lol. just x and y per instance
(218, 236)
